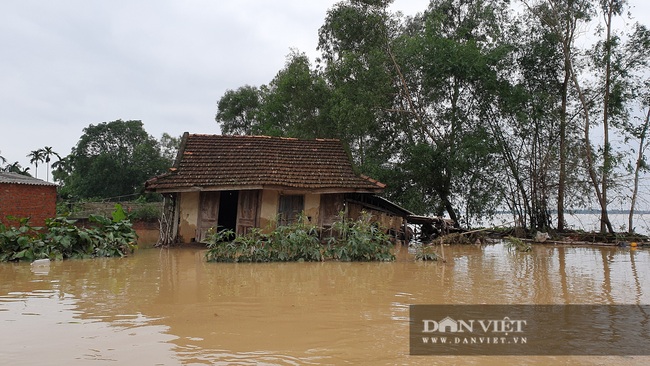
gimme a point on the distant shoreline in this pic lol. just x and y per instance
(591, 211)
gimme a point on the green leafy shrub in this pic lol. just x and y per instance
(296, 242)
(360, 241)
(20, 243)
(65, 240)
(61, 239)
(147, 212)
(252, 247)
(113, 238)
(426, 253)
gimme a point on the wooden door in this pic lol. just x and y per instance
(330, 207)
(208, 213)
(247, 211)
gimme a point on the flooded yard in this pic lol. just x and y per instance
(170, 307)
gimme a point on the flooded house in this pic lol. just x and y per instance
(241, 182)
(26, 197)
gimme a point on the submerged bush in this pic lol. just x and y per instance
(61, 239)
(517, 244)
(20, 243)
(359, 240)
(113, 238)
(426, 253)
(252, 247)
(299, 241)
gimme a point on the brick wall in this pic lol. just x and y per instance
(25, 200)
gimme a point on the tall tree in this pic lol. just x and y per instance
(540, 130)
(111, 160)
(610, 8)
(630, 104)
(295, 102)
(354, 42)
(237, 110)
(169, 147)
(48, 153)
(640, 164)
(450, 59)
(621, 60)
(563, 18)
(35, 157)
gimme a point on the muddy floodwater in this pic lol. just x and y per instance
(170, 307)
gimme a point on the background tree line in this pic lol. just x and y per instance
(473, 106)
(112, 160)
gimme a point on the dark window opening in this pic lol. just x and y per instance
(290, 208)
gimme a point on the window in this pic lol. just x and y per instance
(290, 208)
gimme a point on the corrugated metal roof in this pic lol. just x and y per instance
(217, 161)
(16, 178)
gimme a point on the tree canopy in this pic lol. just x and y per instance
(111, 160)
(470, 107)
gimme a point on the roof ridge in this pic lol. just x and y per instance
(266, 137)
(16, 178)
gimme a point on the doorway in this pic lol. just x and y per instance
(228, 210)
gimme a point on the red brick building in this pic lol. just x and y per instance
(22, 196)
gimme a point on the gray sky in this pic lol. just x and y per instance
(66, 64)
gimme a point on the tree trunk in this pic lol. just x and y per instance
(607, 159)
(563, 150)
(637, 171)
(604, 217)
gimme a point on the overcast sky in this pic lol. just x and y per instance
(66, 64)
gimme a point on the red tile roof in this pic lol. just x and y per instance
(222, 162)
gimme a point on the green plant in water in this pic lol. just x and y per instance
(61, 239)
(66, 240)
(426, 253)
(297, 242)
(252, 247)
(119, 214)
(513, 243)
(113, 238)
(361, 240)
(20, 243)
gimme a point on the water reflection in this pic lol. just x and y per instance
(170, 307)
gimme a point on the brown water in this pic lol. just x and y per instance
(170, 307)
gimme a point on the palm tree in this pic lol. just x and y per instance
(47, 154)
(61, 168)
(16, 168)
(36, 156)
